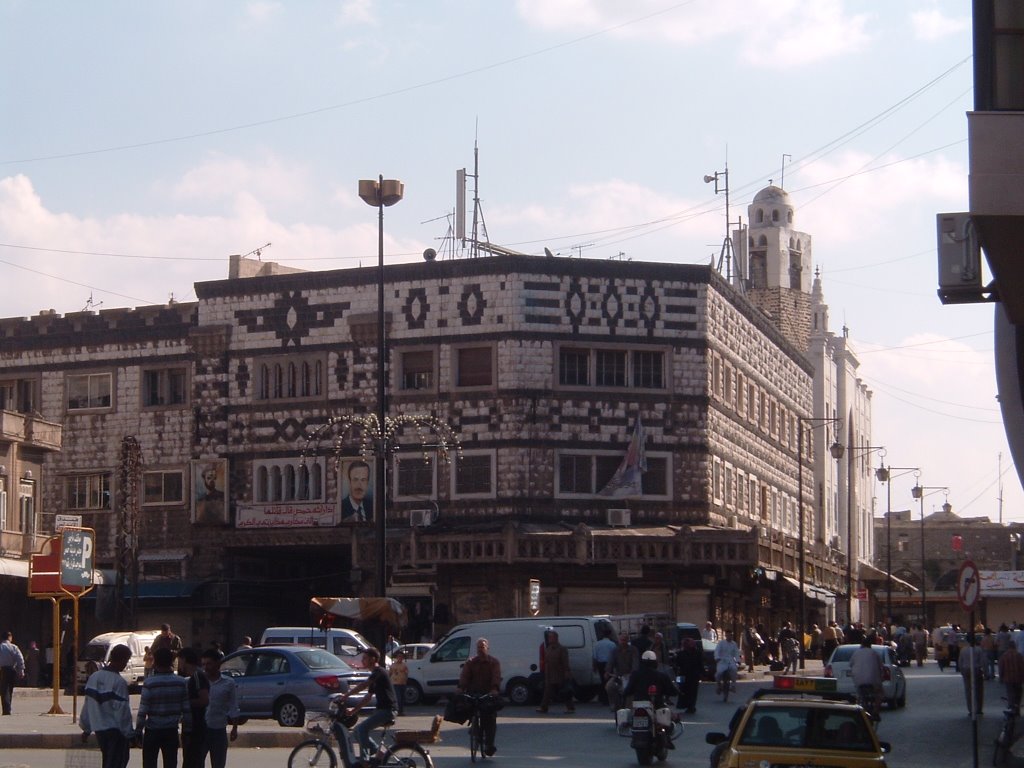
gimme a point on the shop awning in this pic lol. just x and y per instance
(875, 576)
(10, 566)
(812, 591)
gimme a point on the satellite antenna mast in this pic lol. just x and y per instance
(479, 226)
(725, 255)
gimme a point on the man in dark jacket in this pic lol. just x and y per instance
(689, 666)
(480, 676)
(557, 674)
(648, 677)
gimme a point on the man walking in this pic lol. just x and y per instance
(12, 668)
(162, 707)
(1011, 675)
(603, 650)
(193, 741)
(971, 663)
(866, 671)
(557, 674)
(167, 639)
(480, 676)
(221, 712)
(107, 711)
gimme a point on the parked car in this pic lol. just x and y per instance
(413, 651)
(284, 682)
(894, 683)
(97, 653)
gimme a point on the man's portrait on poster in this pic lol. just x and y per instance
(209, 494)
(357, 491)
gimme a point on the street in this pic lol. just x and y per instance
(933, 730)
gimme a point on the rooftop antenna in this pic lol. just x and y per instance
(479, 225)
(257, 252)
(579, 248)
(782, 181)
(721, 180)
(90, 305)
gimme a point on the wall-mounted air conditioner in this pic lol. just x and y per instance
(618, 517)
(421, 517)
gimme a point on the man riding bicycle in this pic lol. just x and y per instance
(482, 675)
(377, 684)
(866, 671)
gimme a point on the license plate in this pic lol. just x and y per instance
(641, 723)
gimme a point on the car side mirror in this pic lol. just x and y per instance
(715, 738)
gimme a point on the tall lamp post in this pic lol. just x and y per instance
(884, 475)
(836, 449)
(851, 552)
(919, 492)
(381, 193)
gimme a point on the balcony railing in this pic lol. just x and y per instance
(30, 430)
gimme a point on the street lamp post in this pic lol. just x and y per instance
(884, 475)
(836, 449)
(919, 492)
(381, 193)
(851, 449)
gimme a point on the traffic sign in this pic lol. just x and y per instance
(968, 585)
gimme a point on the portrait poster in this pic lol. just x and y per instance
(210, 491)
(356, 478)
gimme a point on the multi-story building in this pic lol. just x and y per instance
(213, 445)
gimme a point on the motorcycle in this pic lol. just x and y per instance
(653, 730)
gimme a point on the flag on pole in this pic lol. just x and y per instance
(626, 481)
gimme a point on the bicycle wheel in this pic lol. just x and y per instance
(313, 753)
(475, 741)
(407, 755)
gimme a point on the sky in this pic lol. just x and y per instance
(142, 143)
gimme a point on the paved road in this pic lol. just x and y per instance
(933, 730)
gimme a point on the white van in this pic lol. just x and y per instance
(97, 653)
(516, 644)
(347, 644)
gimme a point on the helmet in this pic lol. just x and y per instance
(649, 656)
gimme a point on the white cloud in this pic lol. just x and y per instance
(262, 11)
(222, 178)
(777, 34)
(356, 13)
(935, 25)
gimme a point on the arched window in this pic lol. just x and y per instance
(791, 242)
(305, 389)
(775, 216)
(760, 215)
(789, 217)
(799, 245)
(762, 241)
(264, 381)
(292, 380)
(316, 483)
(278, 380)
(318, 376)
(751, 242)
(262, 483)
(288, 484)
(303, 490)
(275, 484)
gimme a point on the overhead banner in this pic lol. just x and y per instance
(301, 515)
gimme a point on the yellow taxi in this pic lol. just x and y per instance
(800, 722)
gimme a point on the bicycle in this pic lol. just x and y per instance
(1007, 735)
(477, 704)
(318, 753)
(869, 699)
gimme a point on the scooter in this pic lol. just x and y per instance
(653, 730)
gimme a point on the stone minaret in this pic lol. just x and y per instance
(779, 265)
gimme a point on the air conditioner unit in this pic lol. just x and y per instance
(421, 517)
(618, 517)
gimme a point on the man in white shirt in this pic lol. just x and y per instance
(727, 659)
(107, 710)
(709, 633)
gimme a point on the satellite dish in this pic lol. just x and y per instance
(429, 255)
(548, 253)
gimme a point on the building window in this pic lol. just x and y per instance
(3, 505)
(415, 477)
(574, 367)
(163, 487)
(288, 480)
(417, 368)
(18, 395)
(89, 390)
(474, 367)
(473, 474)
(294, 378)
(648, 370)
(610, 367)
(586, 474)
(164, 386)
(88, 491)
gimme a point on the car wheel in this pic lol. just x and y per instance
(518, 691)
(413, 694)
(290, 713)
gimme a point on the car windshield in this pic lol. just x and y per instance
(808, 728)
(843, 653)
(316, 658)
(93, 652)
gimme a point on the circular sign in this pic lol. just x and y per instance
(968, 585)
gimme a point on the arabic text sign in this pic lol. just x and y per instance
(287, 516)
(76, 558)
